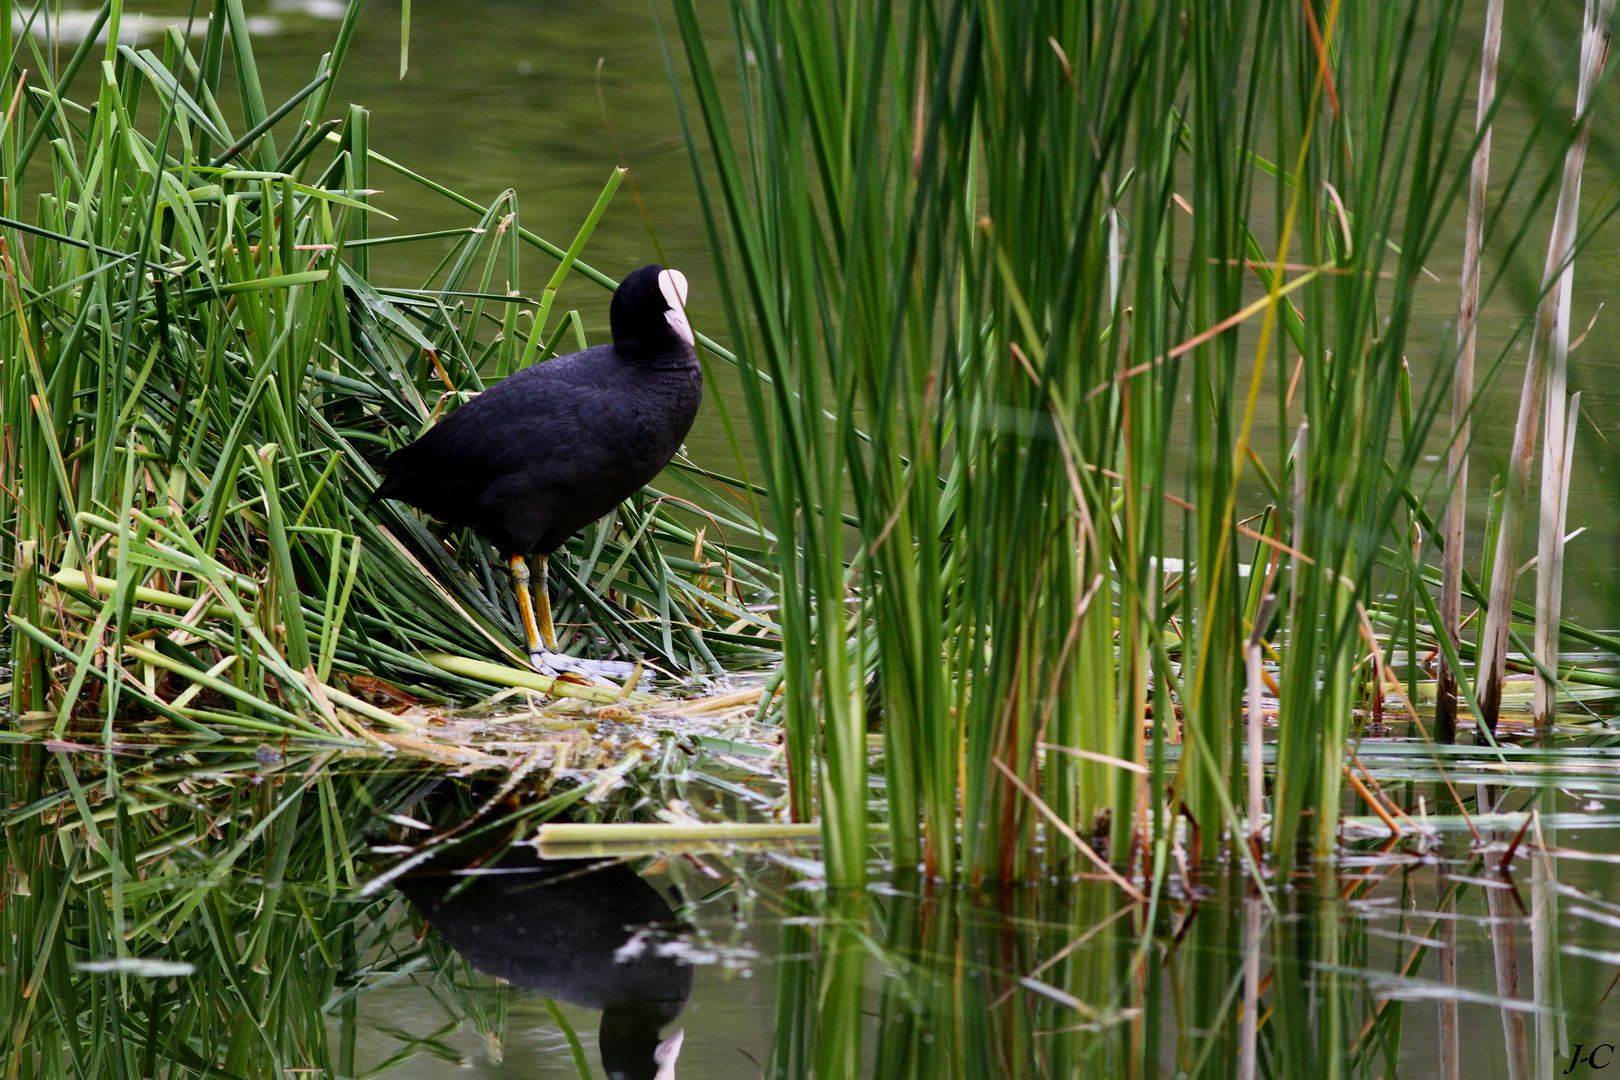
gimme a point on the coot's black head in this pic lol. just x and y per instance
(649, 314)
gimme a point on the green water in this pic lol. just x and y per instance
(542, 98)
(510, 95)
(908, 981)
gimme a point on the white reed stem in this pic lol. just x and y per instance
(1549, 347)
(1462, 390)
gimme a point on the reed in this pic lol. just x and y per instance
(1462, 390)
(1545, 391)
(1021, 288)
(1563, 408)
(200, 376)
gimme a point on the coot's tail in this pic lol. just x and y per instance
(417, 474)
(396, 483)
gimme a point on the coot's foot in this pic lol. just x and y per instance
(554, 664)
(617, 670)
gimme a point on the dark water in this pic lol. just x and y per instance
(597, 936)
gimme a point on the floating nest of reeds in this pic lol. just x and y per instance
(518, 729)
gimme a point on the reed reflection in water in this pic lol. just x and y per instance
(220, 926)
(1447, 959)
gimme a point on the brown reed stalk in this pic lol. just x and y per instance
(1559, 444)
(1462, 390)
(1549, 347)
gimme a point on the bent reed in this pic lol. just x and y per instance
(1078, 344)
(200, 376)
(1101, 320)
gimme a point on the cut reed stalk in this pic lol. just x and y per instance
(561, 833)
(1543, 390)
(1462, 388)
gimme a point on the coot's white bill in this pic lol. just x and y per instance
(672, 283)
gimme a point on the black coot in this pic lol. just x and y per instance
(550, 449)
(576, 931)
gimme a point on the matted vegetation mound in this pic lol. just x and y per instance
(201, 374)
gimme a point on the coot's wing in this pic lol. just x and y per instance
(550, 428)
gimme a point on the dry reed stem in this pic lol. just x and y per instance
(1556, 458)
(1548, 355)
(1559, 442)
(1069, 834)
(1372, 801)
(1462, 389)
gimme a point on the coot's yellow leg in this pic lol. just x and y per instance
(541, 636)
(519, 568)
(542, 599)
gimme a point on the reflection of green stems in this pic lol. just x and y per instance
(794, 1037)
(841, 986)
(907, 1006)
(247, 865)
(581, 1066)
(222, 862)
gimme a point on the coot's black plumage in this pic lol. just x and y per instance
(550, 449)
(574, 930)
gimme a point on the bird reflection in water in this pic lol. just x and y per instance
(574, 930)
